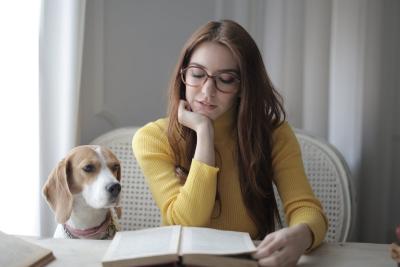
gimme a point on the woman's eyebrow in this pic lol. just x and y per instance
(221, 70)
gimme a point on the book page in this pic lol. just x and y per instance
(144, 243)
(199, 240)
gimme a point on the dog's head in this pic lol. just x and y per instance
(93, 171)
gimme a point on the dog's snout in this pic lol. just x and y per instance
(114, 189)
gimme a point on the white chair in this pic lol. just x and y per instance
(326, 170)
(138, 207)
(329, 176)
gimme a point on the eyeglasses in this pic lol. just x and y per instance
(225, 82)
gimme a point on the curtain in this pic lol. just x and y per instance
(337, 64)
(60, 56)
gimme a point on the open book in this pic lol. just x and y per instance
(16, 252)
(188, 245)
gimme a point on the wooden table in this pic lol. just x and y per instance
(87, 253)
(349, 254)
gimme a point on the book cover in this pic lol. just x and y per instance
(16, 252)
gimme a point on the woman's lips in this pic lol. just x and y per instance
(205, 105)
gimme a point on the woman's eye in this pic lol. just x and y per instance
(89, 168)
(197, 73)
(228, 79)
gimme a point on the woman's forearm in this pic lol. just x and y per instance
(205, 144)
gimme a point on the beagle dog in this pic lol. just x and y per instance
(81, 190)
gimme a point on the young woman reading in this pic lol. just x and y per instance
(213, 161)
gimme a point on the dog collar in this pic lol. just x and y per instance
(106, 230)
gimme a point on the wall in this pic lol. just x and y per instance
(130, 50)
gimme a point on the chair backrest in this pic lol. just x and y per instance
(138, 207)
(326, 169)
(329, 176)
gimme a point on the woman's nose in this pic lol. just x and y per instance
(209, 88)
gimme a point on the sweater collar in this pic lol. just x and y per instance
(224, 126)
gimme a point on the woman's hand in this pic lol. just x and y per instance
(190, 119)
(204, 129)
(284, 247)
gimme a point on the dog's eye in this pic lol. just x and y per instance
(115, 168)
(89, 168)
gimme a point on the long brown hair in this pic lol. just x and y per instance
(259, 112)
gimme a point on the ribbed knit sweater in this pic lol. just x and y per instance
(194, 202)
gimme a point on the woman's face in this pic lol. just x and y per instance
(212, 97)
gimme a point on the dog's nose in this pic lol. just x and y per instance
(114, 189)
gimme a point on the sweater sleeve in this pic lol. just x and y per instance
(300, 204)
(190, 204)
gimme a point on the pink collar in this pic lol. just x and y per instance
(105, 230)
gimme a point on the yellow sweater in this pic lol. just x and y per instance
(193, 203)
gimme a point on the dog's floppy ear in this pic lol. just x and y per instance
(56, 192)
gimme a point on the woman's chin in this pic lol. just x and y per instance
(210, 115)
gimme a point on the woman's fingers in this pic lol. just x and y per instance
(184, 113)
(284, 247)
(268, 238)
(275, 260)
(189, 118)
(266, 249)
(283, 257)
(181, 109)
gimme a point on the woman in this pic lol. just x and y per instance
(213, 161)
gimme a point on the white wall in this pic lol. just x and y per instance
(336, 62)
